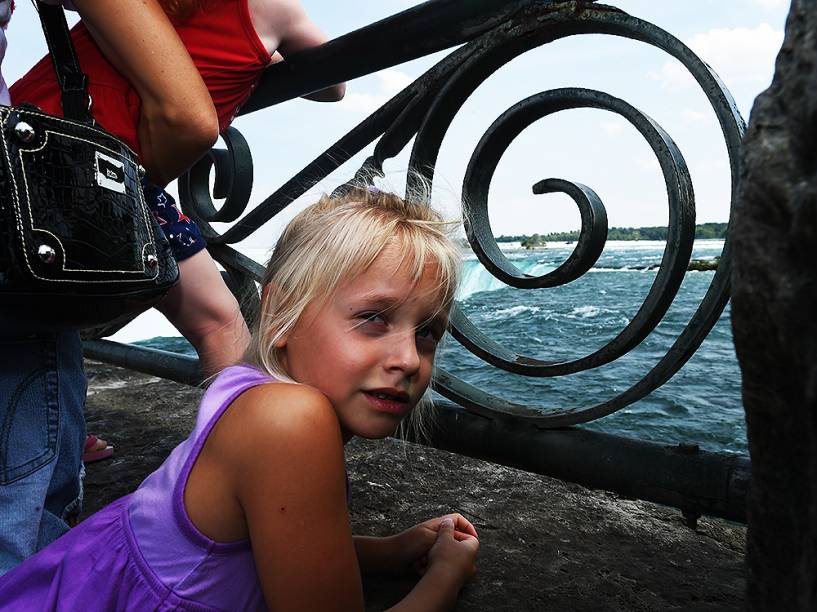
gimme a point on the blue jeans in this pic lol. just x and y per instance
(42, 434)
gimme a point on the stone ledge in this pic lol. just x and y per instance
(545, 544)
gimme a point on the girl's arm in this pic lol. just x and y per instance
(408, 550)
(375, 555)
(451, 562)
(178, 122)
(288, 475)
(443, 550)
(283, 451)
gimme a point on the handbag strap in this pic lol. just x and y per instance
(76, 103)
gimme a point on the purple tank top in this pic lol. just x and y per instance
(192, 565)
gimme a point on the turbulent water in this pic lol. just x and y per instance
(700, 404)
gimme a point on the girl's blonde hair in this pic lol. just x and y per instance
(335, 240)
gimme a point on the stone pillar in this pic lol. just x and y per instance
(774, 315)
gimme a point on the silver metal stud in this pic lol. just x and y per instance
(141, 169)
(152, 261)
(46, 254)
(24, 131)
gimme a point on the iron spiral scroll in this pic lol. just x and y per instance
(424, 111)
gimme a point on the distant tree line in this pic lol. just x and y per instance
(702, 231)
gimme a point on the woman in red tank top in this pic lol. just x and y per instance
(230, 43)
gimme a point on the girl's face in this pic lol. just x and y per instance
(370, 349)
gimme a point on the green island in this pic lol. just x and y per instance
(535, 241)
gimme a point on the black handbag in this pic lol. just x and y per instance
(78, 246)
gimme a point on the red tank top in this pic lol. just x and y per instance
(221, 40)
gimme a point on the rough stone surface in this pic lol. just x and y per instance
(545, 544)
(775, 327)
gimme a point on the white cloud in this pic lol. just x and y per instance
(673, 77)
(648, 164)
(738, 55)
(613, 128)
(689, 115)
(394, 80)
(389, 83)
(772, 4)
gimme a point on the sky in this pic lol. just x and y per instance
(738, 38)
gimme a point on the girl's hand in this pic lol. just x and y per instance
(454, 553)
(413, 544)
(451, 561)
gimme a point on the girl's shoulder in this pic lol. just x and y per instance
(283, 419)
(283, 404)
(287, 477)
(260, 445)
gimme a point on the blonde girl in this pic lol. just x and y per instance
(249, 513)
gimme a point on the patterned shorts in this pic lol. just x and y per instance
(181, 231)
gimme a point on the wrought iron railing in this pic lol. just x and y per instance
(490, 33)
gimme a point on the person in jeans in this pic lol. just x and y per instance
(42, 383)
(42, 399)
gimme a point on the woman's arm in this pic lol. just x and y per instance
(284, 26)
(178, 122)
(303, 34)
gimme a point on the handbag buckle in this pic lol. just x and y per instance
(24, 132)
(46, 254)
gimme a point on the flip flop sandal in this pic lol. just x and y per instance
(91, 454)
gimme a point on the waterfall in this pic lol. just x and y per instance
(475, 278)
